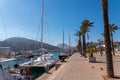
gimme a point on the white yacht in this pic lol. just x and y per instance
(43, 60)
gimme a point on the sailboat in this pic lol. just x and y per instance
(62, 56)
(45, 61)
(70, 50)
(44, 56)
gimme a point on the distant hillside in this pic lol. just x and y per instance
(66, 46)
(23, 44)
(61, 46)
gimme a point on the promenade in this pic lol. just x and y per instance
(79, 68)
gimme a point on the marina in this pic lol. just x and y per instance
(41, 66)
(59, 40)
(12, 62)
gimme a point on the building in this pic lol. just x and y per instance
(4, 50)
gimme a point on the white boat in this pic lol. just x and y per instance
(46, 60)
(41, 64)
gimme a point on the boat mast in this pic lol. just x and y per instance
(69, 43)
(63, 39)
(42, 20)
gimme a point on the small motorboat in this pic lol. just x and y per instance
(62, 56)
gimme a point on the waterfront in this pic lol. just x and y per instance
(11, 63)
(79, 68)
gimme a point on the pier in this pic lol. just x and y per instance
(79, 68)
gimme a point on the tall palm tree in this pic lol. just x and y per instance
(78, 34)
(110, 70)
(112, 28)
(85, 27)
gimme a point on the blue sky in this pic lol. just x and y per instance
(22, 18)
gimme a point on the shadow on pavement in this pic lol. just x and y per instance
(99, 62)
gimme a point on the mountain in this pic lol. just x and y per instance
(23, 44)
(61, 46)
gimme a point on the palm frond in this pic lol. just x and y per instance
(113, 27)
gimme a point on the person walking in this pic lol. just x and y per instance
(101, 52)
(27, 72)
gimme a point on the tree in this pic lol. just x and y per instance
(110, 71)
(78, 34)
(112, 28)
(85, 27)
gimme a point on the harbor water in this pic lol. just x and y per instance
(11, 63)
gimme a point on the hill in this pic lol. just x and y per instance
(23, 44)
(61, 46)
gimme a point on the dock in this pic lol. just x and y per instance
(79, 68)
(6, 59)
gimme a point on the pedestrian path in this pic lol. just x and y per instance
(77, 68)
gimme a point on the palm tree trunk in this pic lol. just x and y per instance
(110, 70)
(112, 43)
(84, 44)
(80, 45)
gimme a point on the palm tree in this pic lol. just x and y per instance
(85, 27)
(110, 71)
(78, 34)
(112, 28)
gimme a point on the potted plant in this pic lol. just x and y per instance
(90, 52)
